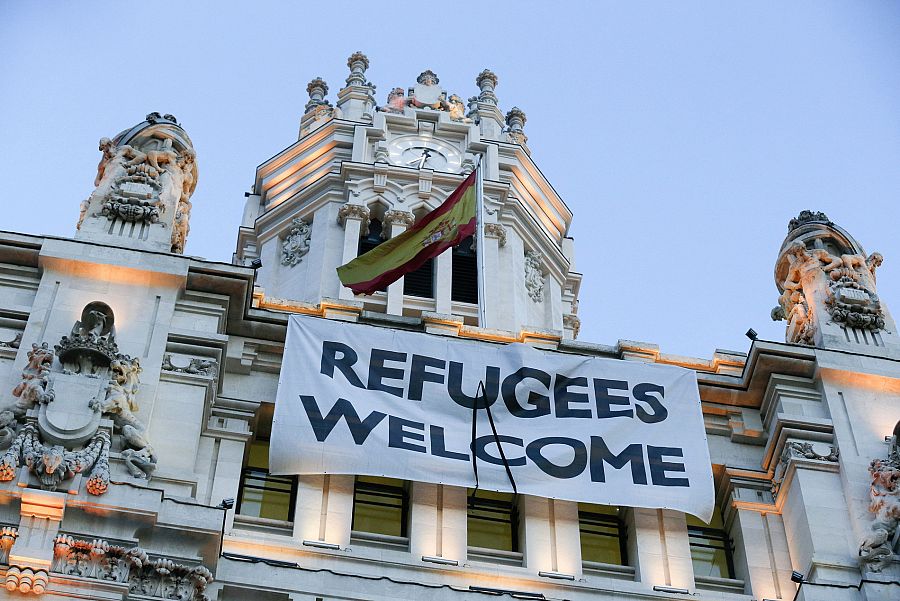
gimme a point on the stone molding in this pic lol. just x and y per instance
(197, 366)
(404, 218)
(534, 275)
(351, 211)
(572, 322)
(153, 577)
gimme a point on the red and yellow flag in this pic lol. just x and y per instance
(437, 231)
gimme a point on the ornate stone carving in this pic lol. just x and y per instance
(196, 366)
(428, 94)
(534, 275)
(400, 217)
(145, 178)
(156, 578)
(800, 449)
(495, 230)
(876, 550)
(486, 82)
(351, 211)
(35, 385)
(396, 101)
(458, 110)
(8, 536)
(807, 217)
(91, 346)
(572, 322)
(296, 243)
(26, 580)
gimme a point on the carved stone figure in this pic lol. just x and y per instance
(395, 102)
(458, 109)
(144, 177)
(197, 366)
(35, 385)
(534, 276)
(296, 244)
(91, 346)
(427, 93)
(884, 492)
(14, 343)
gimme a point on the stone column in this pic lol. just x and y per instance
(552, 541)
(494, 239)
(443, 282)
(659, 548)
(324, 509)
(438, 522)
(355, 220)
(396, 223)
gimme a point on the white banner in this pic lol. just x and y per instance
(366, 400)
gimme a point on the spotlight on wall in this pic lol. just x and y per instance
(751, 334)
(256, 263)
(797, 577)
(671, 589)
(226, 504)
(556, 575)
(441, 560)
(320, 544)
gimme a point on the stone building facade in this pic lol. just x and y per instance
(139, 384)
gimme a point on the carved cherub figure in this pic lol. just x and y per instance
(458, 110)
(873, 262)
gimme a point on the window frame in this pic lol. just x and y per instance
(403, 496)
(263, 474)
(607, 519)
(493, 505)
(719, 535)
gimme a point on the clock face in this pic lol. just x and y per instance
(421, 152)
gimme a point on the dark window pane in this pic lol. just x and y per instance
(371, 240)
(380, 506)
(602, 534)
(711, 548)
(464, 285)
(493, 522)
(263, 495)
(421, 281)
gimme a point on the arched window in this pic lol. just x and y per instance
(464, 285)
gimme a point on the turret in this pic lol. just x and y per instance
(144, 184)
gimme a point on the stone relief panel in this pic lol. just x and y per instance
(295, 244)
(64, 420)
(534, 275)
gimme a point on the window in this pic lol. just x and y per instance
(380, 506)
(493, 521)
(417, 283)
(603, 534)
(711, 548)
(464, 283)
(263, 495)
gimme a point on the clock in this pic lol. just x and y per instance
(423, 152)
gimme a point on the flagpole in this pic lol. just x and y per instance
(479, 240)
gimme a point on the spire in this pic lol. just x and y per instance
(356, 100)
(486, 82)
(316, 89)
(515, 123)
(358, 63)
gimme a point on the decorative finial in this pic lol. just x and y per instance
(358, 63)
(515, 121)
(486, 82)
(807, 217)
(316, 89)
(428, 78)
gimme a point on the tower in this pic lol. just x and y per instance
(343, 188)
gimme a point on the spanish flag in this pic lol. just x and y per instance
(446, 226)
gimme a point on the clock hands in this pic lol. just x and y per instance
(426, 154)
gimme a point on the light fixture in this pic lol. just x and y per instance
(671, 589)
(320, 544)
(556, 575)
(441, 560)
(503, 591)
(797, 577)
(256, 263)
(226, 504)
(751, 334)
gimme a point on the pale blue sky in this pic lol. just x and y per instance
(683, 135)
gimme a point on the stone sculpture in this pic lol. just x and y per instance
(35, 385)
(144, 181)
(458, 109)
(534, 276)
(296, 243)
(395, 102)
(884, 493)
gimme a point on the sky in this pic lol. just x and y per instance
(683, 135)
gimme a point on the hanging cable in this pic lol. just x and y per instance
(481, 396)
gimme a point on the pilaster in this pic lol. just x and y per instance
(354, 219)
